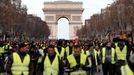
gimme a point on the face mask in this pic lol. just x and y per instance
(131, 58)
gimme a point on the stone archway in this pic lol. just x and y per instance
(58, 9)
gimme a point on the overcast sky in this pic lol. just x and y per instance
(90, 7)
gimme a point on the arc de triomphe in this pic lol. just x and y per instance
(63, 9)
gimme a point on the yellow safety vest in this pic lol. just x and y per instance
(2, 50)
(40, 59)
(87, 53)
(79, 72)
(73, 63)
(121, 55)
(67, 50)
(89, 58)
(51, 69)
(61, 54)
(6, 46)
(82, 51)
(19, 67)
(104, 55)
(116, 44)
(125, 70)
(95, 55)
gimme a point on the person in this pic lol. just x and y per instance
(128, 69)
(94, 54)
(19, 63)
(14, 46)
(34, 54)
(2, 58)
(108, 59)
(121, 51)
(50, 63)
(69, 49)
(60, 50)
(7, 47)
(77, 62)
(132, 49)
(87, 52)
(95, 58)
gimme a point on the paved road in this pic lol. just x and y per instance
(99, 73)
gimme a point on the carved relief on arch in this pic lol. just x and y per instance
(49, 18)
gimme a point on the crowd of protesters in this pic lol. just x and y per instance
(67, 57)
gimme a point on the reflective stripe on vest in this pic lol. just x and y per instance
(80, 72)
(19, 67)
(73, 62)
(61, 54)
(50, 73)
(51, 68)
(121, 55)
(104, 55)
(125, 70)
